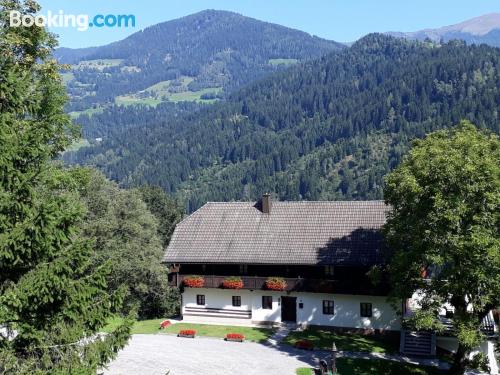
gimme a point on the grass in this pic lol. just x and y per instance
(323, 338)
(304, 371)
(351, 366)
(152, 327)
(159, 92)
(283, 61)
(99, 64)
(250, 333)
(88, 111)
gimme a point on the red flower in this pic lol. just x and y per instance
(194, 281)
(235, 336)
(187, 332)
(276, 283)
(165, 324)
(232, 283)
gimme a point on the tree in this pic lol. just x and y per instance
(445, 197)
(52, 301)
(126, 234)
(165, 209)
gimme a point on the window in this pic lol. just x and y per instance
(329, 270)
(243, 269)
(267, 302)
(328, 307)
(366, 310)
(200, 299)
(237, 301)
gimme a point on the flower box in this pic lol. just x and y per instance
(232, 283)
(304, 344)
(191, 333)
(194, 282)
(165, 324)
(276, 283)
(238, 337)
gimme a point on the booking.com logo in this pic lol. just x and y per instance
(81, 22)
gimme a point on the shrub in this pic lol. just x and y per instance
(276, 283)
(194, 281)
(232, 283)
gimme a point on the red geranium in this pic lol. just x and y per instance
(187, 332)
(235, 336)
(194, 281)
(232, 283)
(165, 324)
(276, 283)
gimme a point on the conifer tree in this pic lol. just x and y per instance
(52, 302)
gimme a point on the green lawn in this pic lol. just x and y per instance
(323, 339)
(250, 333)
(304, 371)
(350, 366)
(152, 327)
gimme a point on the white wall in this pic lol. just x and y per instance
(347, 308)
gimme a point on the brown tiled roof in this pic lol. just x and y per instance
(292, 233)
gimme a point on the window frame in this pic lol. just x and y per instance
(366, 309)
(268, 305)
(200, 298)
(329, 270)
(328, 307)
(236, 299)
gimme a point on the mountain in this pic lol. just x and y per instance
(483, 29)
(327, 129)
(200, 57)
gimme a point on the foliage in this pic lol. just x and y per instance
(196, 46)
(232, 282)
(445, 197)
(194, 281)
(276, 283)
(52, 299)
(327, 129)
(126, 234)
(165, 209)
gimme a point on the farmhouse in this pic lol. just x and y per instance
(272, 262)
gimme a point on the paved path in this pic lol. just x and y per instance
(156, 354)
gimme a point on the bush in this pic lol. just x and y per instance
(304, 344)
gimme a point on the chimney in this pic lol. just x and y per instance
(266, 203)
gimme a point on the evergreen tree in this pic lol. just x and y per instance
(52, 299)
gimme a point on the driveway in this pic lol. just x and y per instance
(157, 354)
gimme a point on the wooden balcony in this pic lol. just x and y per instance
(293, 285)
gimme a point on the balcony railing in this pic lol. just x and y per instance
(293, 284)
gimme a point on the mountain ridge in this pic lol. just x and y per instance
(481, 29)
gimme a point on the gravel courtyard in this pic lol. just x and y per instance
(157, 354)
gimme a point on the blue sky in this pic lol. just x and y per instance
(340, 20)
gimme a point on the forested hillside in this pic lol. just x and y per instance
(328, 129)
(200, 57)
